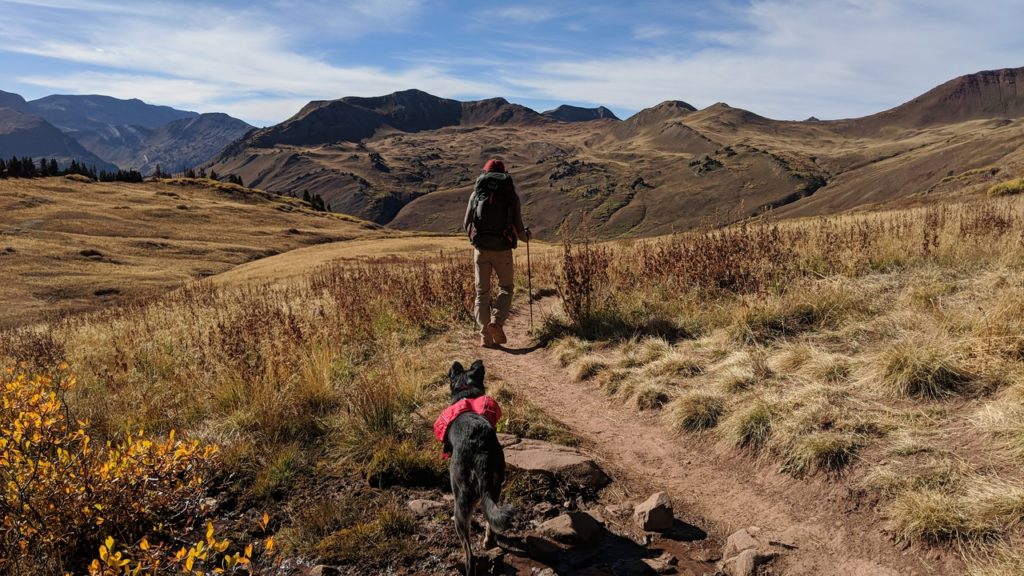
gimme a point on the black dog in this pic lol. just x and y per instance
(477, 465)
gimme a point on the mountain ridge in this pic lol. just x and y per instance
(567, 113)
(26, 134)
(408, 159)
(73, 113)
(112, 133)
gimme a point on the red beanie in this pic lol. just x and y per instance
(494, 165)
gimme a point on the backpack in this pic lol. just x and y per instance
(491, 222)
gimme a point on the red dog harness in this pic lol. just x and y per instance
(482, 405)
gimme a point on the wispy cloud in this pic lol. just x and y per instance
(520, 14)
(211, 60)
(649, 31)
(263, 59)
(792, 59)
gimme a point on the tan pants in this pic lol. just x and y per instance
(500, 261)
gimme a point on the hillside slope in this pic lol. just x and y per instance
(68, 246)
(408, 159)
(26, 134)
(184, 143)
(134, 135)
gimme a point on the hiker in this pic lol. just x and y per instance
(494, 222)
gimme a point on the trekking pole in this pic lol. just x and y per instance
(529, 278)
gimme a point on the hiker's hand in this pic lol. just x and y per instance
(527, 235)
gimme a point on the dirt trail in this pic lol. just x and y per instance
(832, 529)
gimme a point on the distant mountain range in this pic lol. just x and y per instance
(110, 133)
(408, 159)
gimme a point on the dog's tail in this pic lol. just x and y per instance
(497, 516)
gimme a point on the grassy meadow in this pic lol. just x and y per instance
(68, 246)
(237, 423)
(882, 349)
(268, 422)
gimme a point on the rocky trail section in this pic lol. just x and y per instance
(820, 526)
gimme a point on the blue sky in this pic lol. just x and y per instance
(261, 60)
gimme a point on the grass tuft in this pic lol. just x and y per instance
(927, 515)
(644, 352)
(1006, 422)
(765, 321)
(736, 379)
(571, 348)
(588, 367)
(1005, 559)
(750, 427)
(829, 368)
(652, 397)
(696, 411)
(377, 539)
(827, 451)
(403, 463)
(921, 368)
(675, 364)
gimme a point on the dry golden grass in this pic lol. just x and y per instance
(281, 377)
(302, 261)
(1008, 188)
(813, 344)
(697, 411)
(588, 367)
(883, 349)
(923, 368)
(68, 246)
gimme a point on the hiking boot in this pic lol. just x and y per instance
(486, 342)
(497, 334)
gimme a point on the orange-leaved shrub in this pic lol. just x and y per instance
(61, 493)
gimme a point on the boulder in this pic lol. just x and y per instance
(561, 462)
(655, 513)
(745, 563)
(423, 508)
(739, 541)
(573, 528)
(490, 561)
(744, 552)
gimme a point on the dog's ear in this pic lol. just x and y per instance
(456, 370)
(475, 374)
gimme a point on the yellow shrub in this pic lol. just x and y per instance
(1007, 188)
(61, 492)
